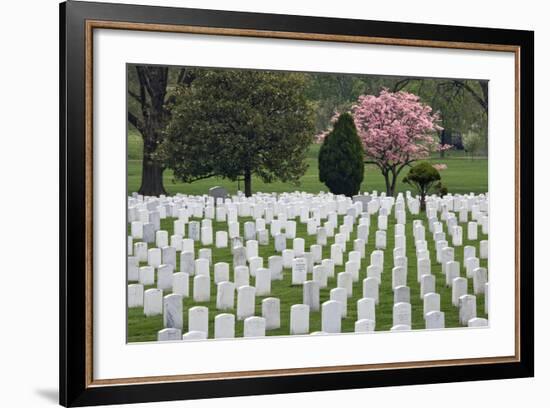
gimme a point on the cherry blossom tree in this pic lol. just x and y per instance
(396, 129)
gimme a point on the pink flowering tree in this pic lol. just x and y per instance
(396, 129)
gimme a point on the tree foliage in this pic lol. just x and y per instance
(396, 129)
(473, 143)
(341, 165)
(235, 124)
(423, 177)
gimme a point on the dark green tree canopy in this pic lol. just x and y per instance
(341, 165)
(423, 177)
(236, 124)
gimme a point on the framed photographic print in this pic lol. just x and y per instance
(255, 203)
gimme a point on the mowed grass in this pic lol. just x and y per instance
(463, 175)
(141, 328)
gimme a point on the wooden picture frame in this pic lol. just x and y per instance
(78, 20)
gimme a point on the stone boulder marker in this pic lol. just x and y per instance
(218, 192)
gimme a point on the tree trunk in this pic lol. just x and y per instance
(388, 184)
(151, 178)
(247, 183)
(442, 141)
(422, 202)
(393, 184)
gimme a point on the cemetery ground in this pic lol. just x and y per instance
(462, 176)
(142, 328)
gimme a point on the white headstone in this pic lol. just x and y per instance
(478, 322)
(435, 320)
(135, 295)
(201, 288)
(198, 319)
(152, 302)
(310, 292)
(224, 326)
(165, 277)
(147, 275)
(254, 326)
(242, 276)
(484, 249)
(432, 303)
(225, 296)
(170, 334)
(221, 239)
(427, 285)
(329, 266)
(471, 265)
(246, 302)
(364, 326)
(263, 282)
(366, 309)
(173, 311)
(299, 319)
(345, 280)
(187, 262)
(221, 272)
(331, 317)
(467, 309)
(459, 288)
(275, 264)
(380, 239)
(288, 257)
(154, 256)
(336, 254)
(271, 312)
(320, 276)
(402, 314)
(480, 279)
(180, 284)
(452, 271)
(340, 295)
(402, 294)
(399, 277)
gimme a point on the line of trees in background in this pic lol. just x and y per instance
(226, 106)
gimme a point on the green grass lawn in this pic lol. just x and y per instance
(141, 328)
(463, 175)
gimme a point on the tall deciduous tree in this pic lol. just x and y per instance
(236, 124)
(148, 113)
(396, 129)
(341, 165)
